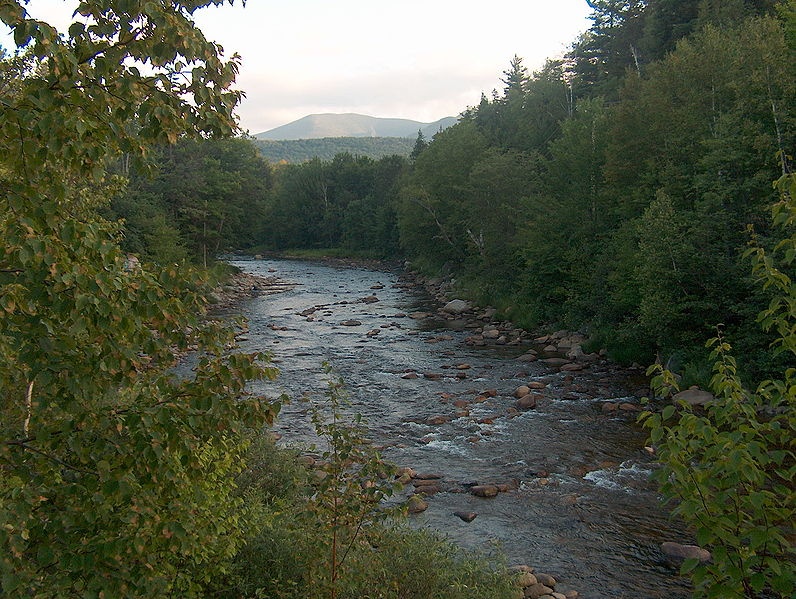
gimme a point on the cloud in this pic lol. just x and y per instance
(416, 59)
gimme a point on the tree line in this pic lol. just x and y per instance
(612, 191)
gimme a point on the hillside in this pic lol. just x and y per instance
(301, 150)
(318, 126)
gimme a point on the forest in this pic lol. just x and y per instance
(612, 192)
(624, 191)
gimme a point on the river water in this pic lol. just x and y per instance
(580, 505)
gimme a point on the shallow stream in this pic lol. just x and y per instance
(580, 506)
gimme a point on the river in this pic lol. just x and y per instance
(579, 505)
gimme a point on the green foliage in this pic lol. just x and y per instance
(116, 473)
(731, 468)
(201, 200)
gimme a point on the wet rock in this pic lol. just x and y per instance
(536, 385)
(419, 315)
(556, 361)
(409, 375)
(678, 553)
(371, 299)
(428, 490)
(351, 323)
(527, 357)
(609, 406)
(437, 420)
(427, 476)
(490, 334)
(466, 516)
(521, 391)
(484, 490)
(572, 367)
(433, 376)
(527, 402)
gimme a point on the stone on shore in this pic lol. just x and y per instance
(546, 580)
(456, 306)
(526, 579)
(538, 590)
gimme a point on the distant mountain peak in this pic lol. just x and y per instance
(317, 126)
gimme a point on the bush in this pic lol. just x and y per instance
(729, 469)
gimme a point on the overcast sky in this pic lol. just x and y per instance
(416, 59)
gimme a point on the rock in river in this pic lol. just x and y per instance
(484, 490)
(677, 552)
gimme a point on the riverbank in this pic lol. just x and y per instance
(241, 285)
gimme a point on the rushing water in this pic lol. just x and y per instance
(580, 505)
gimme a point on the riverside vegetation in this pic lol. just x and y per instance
(613, 191)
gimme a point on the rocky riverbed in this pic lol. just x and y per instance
(508, 439)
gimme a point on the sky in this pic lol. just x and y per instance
(416, 59)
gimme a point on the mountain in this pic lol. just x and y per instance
(318, 126)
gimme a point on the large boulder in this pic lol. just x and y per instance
(526, 402)
(456, 306)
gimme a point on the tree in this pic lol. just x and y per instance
(602, 56)
(515, 78)
(115, 472)
(420, 145)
